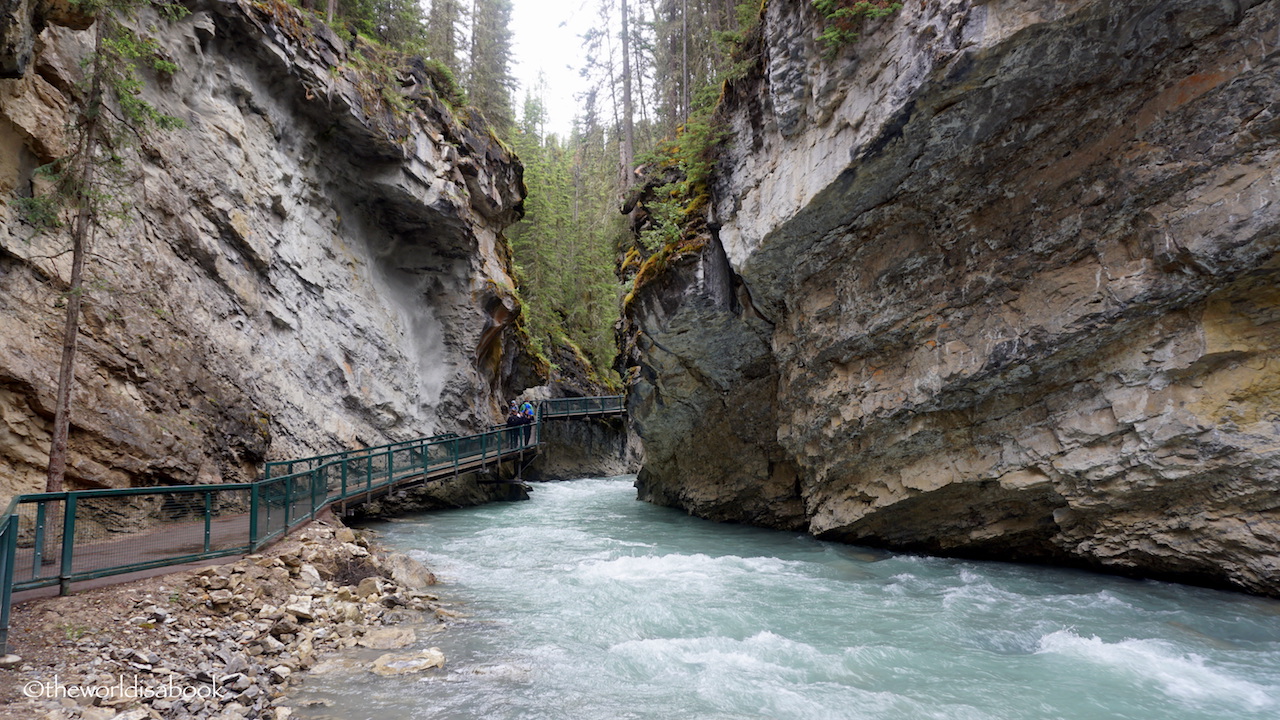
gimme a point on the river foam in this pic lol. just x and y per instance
(1183, 676)
(586, 605)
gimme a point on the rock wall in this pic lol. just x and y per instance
(1000, 282)
(701, 395)
(461, 491)
(312, 263)
(595, 447)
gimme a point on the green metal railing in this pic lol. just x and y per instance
(577, 407)
(8, 546)
(61, 538)
(288, 467)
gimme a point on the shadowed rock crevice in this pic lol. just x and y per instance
(700, 369)
(599, 447)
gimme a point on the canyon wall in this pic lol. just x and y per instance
(998, 280)
(313, 262)
(589, 447)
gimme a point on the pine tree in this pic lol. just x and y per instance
(110, 118)
(442, 35)
(491, 82)
(564, 245)
(628, 146)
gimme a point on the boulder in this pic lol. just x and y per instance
(407, 572)
(388, 638)
(392, 664)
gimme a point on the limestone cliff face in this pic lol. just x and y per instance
(1001, 281)
(597, 447)
(311, 266)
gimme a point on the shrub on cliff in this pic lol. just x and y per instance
(844, 18)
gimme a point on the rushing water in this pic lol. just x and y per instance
(586, 604)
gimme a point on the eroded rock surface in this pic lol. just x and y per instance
(1006, 275)
(311, 266)
(595, 447)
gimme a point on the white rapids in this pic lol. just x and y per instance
(587, 605)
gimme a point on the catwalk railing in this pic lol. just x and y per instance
(61, 538)
(582, 407)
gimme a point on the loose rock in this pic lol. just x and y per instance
(391, 664)
(196, 640)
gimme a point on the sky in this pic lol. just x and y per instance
(548, 40)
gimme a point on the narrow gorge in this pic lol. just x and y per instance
(849, 360)
(997, 281)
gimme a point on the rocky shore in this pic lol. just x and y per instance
(223, 642)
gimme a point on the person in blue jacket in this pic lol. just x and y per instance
(526, 411)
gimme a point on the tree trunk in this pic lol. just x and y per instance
(606, 8)
(684, 59)
(79, 247)
(628, 124)
(473, 63)
(646, 139)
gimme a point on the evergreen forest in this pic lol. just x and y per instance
(653, 72)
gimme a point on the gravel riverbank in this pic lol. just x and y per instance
(223, 642)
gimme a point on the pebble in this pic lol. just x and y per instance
(284, 608)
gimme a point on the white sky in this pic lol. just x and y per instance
(548, 39)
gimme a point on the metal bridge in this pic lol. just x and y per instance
(61, 538)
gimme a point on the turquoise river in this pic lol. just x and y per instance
(584, 604)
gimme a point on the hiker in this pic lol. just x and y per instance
(526, 411)
(514, 421)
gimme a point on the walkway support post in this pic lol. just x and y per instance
(8, 558)
(254, 496)
(343, 495)
(208, 518)
(68, 544)
(37, 554)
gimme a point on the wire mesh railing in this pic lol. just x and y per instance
(60, 538)
(288, 467)
(57, 538)
(65, 537)
(571, 407)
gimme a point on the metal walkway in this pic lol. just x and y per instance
(61, 538)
